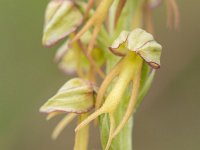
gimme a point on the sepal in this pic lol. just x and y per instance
(77, 96)
(142, 43)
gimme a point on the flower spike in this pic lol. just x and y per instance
(87, 29)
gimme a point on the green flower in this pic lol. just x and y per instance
(76, 97)
(61, 19)
(136, 46)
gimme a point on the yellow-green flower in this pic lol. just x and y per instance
(76, 97)
(138, 45)
(61, 19)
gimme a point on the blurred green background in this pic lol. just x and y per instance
(169, 118)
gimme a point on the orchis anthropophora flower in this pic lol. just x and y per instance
(62, 18)
(76, 97)
(141, 46)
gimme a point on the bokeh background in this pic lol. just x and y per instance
(169, 118)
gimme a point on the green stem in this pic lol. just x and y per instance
(82, 136)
